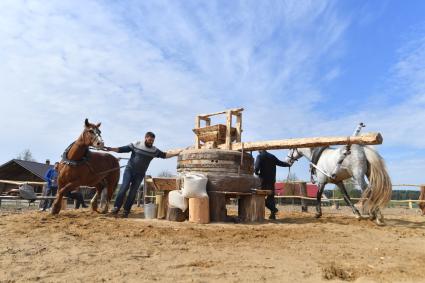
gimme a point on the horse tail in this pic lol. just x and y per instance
(378, 193)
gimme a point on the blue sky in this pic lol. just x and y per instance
(299, 68)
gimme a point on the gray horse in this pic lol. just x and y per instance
(363, 161)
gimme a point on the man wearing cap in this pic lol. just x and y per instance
(142, 153)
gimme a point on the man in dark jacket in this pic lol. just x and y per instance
(265, 167)
(142, 153)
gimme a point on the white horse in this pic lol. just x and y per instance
(363, 161)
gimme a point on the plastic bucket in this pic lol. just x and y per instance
(150, 211)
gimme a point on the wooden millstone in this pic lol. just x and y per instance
(223, 168)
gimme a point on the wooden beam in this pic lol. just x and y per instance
(365, 139)
(197, 125)
(234, 111)
(238, 127)
(21, 182)
(228, 144)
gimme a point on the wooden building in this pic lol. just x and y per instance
(21, 170)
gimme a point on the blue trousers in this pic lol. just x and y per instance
(50, 191)
(131, 180)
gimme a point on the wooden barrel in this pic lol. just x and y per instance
(199, 210)
(227, 170)
(215, 161)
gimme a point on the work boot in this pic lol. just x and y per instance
(125, 214)
(272, 216)
(115, 210)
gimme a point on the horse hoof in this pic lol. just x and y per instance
(318, 215)
(54, 211)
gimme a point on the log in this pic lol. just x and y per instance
(251, 208)
(176, 214)
(199, 210)
(218, 211)
(365, 139)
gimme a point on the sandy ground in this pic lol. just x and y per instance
(83, 246)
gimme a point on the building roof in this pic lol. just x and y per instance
(9, 169)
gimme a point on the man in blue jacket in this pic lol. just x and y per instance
(265, 168)
(51, 178)
(142, 153)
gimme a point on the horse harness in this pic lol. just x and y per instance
(82, 161)
(70, 162)
(315, 156)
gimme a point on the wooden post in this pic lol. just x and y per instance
(197, 125)
(229, 130)
(303, 191)
(251, 208)
(218, 212)
(64, 203)
(422, 197)
(160, 202)
(238, 127)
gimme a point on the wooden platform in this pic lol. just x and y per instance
(251, 206)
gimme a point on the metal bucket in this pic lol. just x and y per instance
(150, 210)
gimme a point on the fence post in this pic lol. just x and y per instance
(304, 207)
(422, 197)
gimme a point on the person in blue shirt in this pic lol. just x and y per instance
(51, 178)
(265, 168)
(142, 153)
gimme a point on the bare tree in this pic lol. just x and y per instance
(26, 155)
(165, 173)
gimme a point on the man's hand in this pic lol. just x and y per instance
(107, 148)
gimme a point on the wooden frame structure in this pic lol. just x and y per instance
(237, 112)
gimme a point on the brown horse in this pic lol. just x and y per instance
(82, 167)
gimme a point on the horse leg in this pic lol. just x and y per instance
(319, 200)
(93, 201)
(347, 199)
(104, 200)
(57, 205)
(359, 179)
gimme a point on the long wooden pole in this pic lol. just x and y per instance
(365, 139)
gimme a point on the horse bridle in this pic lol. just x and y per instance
(291, 157)
(95, 136)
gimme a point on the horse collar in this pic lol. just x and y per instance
(70, 162)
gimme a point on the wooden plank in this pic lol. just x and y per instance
(21, 182)
(235, 111)
(365, 139)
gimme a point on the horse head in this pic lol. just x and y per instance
(92, 135)
(293, 155)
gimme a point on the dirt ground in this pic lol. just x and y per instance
(82, 246)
